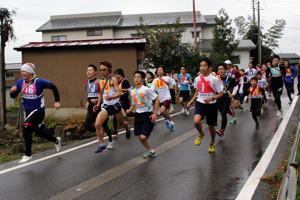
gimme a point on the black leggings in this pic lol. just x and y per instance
(34, 123)
(277, 91)
(125, 107)
(289, 89)
(223, 108)
(91, 118)
(256, 109)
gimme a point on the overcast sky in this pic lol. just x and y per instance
(31, 14)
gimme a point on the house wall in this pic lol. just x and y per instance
(207, 32)
(107, 33)
(66, 68)
(244, 58)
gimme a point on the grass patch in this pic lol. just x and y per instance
(276, 178)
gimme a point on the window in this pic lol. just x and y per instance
(134, 35)
(94, 32)
(198, 34)
(236, 59)
(59, 38)
(9, 76)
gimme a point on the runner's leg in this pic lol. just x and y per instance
(101, 118)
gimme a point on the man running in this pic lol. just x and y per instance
(31, 89)
(110, 94)
(233, 73)
(209, 89)
(92, 88)
(223, 103)
(251, 72)
(161, 84)
(124, 86)
(185, 80)
(291, 74)
(275, 74)
(142, 98)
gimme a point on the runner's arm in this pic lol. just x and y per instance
(114, 82)
(14, 94)
(55, 92)
(235, 89)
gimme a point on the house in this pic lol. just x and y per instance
(293, 58)
(12, 74)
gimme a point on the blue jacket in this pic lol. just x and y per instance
(290, 72)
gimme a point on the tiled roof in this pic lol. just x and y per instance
(116, 19)
(83, 43)
(288, 55)
(205, 45)
(13, 66)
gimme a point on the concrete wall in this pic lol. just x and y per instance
(66, 68)
(107, 33)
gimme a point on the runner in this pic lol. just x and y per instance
(142, 98)
(259, 67)
(92, 88)
(161, 84)
(240, 82)
(31, 89)
(124, 86)
(172, 92)
(149, 79)
(291, 74)
(276, 73)
(207, 86)
(263, 84)
(245, 88)
(251, 72)
(110, 93)
(224, 102)
(185, 80)
(256, 93)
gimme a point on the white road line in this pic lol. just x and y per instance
(66, 151)
(254, 179)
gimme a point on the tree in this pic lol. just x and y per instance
(7, 32)
(163, 44)
(223, 43)
(249, 30)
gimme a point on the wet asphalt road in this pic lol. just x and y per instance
(180, 171)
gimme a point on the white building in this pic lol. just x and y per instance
(112, 25)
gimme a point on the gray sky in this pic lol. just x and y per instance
(31, 14)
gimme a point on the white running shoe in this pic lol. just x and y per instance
(187, 112)
(58, 146)
(171, 108)
(25, 159)
(278, 113)
(111, 145)
(183, 110)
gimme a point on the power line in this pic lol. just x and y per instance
(282, 12)
(284, 27)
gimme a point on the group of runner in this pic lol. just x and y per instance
(224, 92)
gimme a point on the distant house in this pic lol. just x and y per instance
(12, 74)
(293, 58)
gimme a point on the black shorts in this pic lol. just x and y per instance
(143, 124)
(210, 111)
(236, 96)
(112, 109)
(185, 94)
(256, 106)
(34, 118)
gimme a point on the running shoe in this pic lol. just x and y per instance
(212, 148)
(128, 133)
(183, 110)
(278, 113)
(230, 111)
(233, 121)
(262, 110)
(114, 132)
(220, 132)
(149, 155)
(187, 112)
(198, 140)
(240, 107)
(171, 108)
(257, 126)
(168, 124)
(111, 145)
(58, 145)
(25, 159)
(101, 149)
(290, 102)
(172, 126)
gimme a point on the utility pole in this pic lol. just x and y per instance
(253, 8)
(259, 38)
(195, 27)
